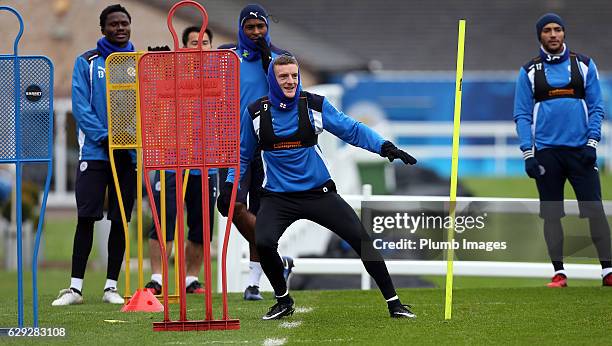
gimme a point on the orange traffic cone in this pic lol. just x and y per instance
(143, 300)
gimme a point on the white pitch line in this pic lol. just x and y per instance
(303, 309)
(289, 325)
(210, 342)
(274, 342)
(318, 341)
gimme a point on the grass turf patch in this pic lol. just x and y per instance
(485, 311)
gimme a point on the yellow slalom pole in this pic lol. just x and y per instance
(162, 197)
(162, 208)
(139, 179)
(179, 213)
(123, 217)
(448, 307)
(139, 184)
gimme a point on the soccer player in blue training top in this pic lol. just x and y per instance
(255, 51)
(297, 183)
(194, 252)
(94, 174)
(558, 111)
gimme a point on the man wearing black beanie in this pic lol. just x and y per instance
(255, 50)
(559, 126)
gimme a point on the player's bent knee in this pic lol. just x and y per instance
(240, 210)
(265, 245)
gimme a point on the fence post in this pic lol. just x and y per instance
(500, 157)
(366, 284)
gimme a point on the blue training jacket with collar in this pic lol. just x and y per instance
(301, 169)
(559, 122)
(89, 105)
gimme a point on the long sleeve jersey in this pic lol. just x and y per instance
(301, 169)
(89, 105)
(560, 122)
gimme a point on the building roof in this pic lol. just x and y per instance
(336, 36)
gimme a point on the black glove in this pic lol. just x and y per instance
(589, 153)
(390, 151)
(266, 53)
(532, 167)
(224, 199)
(159, 49)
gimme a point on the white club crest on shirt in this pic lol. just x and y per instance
(282, 105)
(101, 72)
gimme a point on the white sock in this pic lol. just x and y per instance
(76, 283)
(255, 272)
(605, 272)
(189, 280)
(562, 271)
(286, 293)
(395, 297)
(157, 278)
(110, 284)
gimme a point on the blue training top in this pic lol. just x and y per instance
(301, 169)
(559, 122)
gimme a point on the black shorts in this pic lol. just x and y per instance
(193, 205)
(563, 164)
(94, 177)
(250, 183)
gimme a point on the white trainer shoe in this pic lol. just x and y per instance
(67, 297)
(112, 296)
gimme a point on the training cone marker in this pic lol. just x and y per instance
(143, 301)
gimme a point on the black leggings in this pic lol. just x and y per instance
(83, 241)
(600, 234)
(328, 209)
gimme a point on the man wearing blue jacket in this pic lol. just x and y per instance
(558, 110)
(255, 50)
(297, 182)
(94, 175)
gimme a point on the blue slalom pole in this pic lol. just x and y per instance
(17, 92)
(17, 98)
(19, 248)
(41, 221)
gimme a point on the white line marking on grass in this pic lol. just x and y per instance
(289, 325)
(274, 342)
(303, 309)
(318, 341)
(210, 342)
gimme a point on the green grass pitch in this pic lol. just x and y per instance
(485, 310)
(500, 311)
